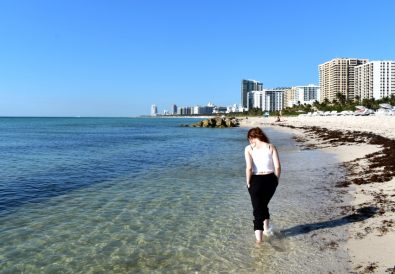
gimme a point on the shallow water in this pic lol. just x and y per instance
(145, 195)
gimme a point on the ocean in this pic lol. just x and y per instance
(145, 195)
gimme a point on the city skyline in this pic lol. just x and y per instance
(97, 58)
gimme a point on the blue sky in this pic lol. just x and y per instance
(116, 58)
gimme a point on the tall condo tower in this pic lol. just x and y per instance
(154, 110)
(174, 109)
(337, 76)
(375, 79)
(249, 86)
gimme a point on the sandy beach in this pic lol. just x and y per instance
(365, 145)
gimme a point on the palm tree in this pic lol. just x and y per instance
(341, 98)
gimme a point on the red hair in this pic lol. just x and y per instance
(256, 132)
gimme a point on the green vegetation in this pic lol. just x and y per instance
(250, 112)
(339, 104)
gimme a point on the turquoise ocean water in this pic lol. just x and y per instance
(144, 195)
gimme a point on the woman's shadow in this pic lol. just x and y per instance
(361, 214)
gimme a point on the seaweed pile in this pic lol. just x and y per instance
(376, 167)
(381, 164)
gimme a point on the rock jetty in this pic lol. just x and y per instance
(217, 122)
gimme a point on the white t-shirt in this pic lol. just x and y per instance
(262, 160)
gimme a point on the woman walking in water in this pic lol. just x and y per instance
(262, 175)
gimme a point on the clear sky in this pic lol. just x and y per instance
(117, 58)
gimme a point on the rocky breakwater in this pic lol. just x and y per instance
(217, 122)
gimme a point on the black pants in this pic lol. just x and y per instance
(262, 188)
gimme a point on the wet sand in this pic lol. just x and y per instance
(366, 148)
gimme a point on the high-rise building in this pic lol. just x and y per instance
(185, 110)
(291, 97)
(257, 99)
(174, 109)
(267, 100)
(337, 76)
(154, 110)
(203, 110)
(300, 95)
(274, 100)
(248, 86)
(375, 79)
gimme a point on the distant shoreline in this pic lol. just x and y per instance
(178, 117)
(105, 117)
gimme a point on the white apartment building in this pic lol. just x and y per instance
(375, 79)
(235, 108)
(337, 76)
(267, 100)
(154, 110)
(256, 99)
(300, 95)
(201, 110)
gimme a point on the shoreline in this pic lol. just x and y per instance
(365, 146)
